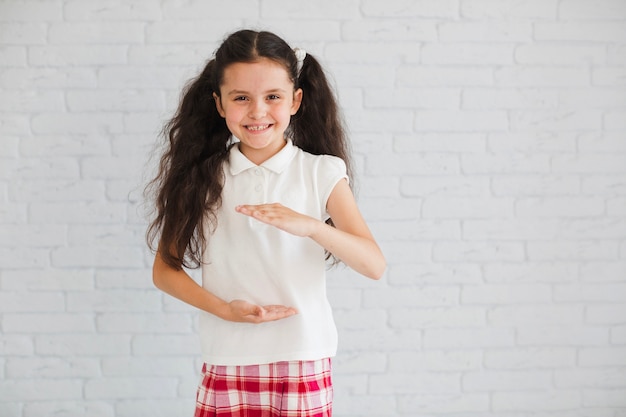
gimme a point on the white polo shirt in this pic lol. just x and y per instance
(246, 259)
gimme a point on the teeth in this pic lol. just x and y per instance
(262, 127)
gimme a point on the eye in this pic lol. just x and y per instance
(240, 98)
(273, 97)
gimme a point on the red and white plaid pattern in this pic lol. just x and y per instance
(285, 389)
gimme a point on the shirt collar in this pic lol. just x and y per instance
(238, 162)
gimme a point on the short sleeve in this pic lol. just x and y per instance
(331, 170)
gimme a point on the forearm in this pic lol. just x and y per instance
(180, 285)
(360, 253)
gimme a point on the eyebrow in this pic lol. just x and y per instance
(275, 90)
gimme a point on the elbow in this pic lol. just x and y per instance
(377, 269)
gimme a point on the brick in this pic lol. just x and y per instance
(64, 145)
(22, 302)
(134, 387)
(434, 76)
(470, 54)
(412, 164)
(55, 280)
(495, 381)
(435, 360)
(450, 402)
(506, 294)
(554, 54)
(478, 252)
(538, 315)
(144, 323)
(572, 250)
(581, 30)
(559, 120)
(530, 76)
(113, 10)
(56, 190)
(602, 9)
(24, 390)
(63, 56)
(16, 345)
(374, 120)
(148, 366)
(559, 207)
(431, 273)
(562, 336)
(415, 383)
(361, 319)
(535, 185)
(552, 400)
(51, 368)
(66, 212)
(31, 101)
(612, 77)
(448, 186)
(45, 78)
(603, 184)
(106, 301)
(96, 32)
(498, 9)
(505, 163)
(156, 407)
(371, 52)
(389, 30)
(168, 55)
(455, 121)
(603, 356)
(588, 163)
(323, 9)
(591, 98)
(47, 323)
(444, 142)
(403, 297)
(124, 278)
(426, 318)
(508, 98)
(166, 345)
(188, 31)
(464, 207)
(82, 345)
(469, 338)
(531, 358)
(494, 30)
(605, 314)
(377, 209)
(531, 272)
(74, 408)
(607, 292)
(77, 123)
(23, 33)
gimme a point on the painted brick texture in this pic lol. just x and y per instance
(490, 141)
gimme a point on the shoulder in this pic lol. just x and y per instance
(324, 163)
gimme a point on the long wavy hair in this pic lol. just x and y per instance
(187, 189)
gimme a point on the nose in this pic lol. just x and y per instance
(258, 109)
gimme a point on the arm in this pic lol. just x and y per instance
(178, 284)
(350, 240)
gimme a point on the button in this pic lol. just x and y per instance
(258, 171)
(258, 187)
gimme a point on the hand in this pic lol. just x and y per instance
(281, 217)
(245, 312)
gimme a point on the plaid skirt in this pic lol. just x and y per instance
(285, 389)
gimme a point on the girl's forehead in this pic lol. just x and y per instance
(262, 71)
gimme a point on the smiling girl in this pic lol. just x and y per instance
(254, 189)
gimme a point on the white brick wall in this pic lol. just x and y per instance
(490, 139)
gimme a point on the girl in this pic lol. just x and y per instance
(256, 168)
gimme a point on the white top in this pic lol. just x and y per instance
(246, 259)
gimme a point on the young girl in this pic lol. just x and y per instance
(256, 168)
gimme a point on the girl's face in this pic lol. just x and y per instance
(257, 100)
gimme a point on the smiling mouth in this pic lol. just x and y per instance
(257, 128)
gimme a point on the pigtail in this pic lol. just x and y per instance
(190, 179)
(317, 127)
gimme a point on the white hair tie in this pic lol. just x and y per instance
(300, 55)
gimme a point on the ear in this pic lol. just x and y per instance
(218, 105)
(297, 100)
